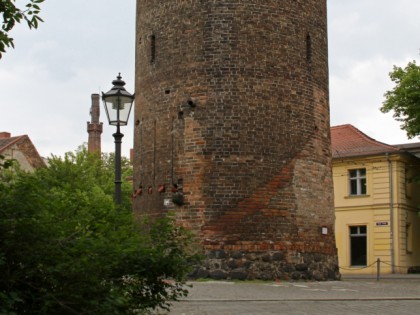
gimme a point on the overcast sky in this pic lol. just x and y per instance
(46, 82)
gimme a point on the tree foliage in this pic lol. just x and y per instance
(404, 99)
(5, 163)
(66, 249)
(12, 15)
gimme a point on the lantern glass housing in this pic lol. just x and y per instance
(118, 103)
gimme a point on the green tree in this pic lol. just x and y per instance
(5, 163)
(80, 167)
(12, 15)
(404, 98)
(66, 249)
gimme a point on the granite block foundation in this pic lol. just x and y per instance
(221, 265)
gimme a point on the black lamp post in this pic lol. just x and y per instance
(117, 103)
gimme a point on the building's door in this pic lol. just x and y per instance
(358, 245)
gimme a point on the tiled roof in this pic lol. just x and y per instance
(347, 141)
(6, 142)
(29, 155)
(413, 148)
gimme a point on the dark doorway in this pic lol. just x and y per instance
(358, 246)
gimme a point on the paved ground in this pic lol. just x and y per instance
(351, 296)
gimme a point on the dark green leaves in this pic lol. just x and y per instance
(13, 15)
(65, 249)
(404, 99)
(5, 163)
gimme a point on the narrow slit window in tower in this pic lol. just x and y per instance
(308, 48)
(152, 49)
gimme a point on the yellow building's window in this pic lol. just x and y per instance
(357, 182)
(408, 238)
(358, 245)
(408, 182)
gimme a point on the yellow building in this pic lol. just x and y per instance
(376, 204)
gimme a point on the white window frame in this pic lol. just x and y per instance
(359, 182)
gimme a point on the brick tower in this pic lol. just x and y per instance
(94, 127)
(232, 132)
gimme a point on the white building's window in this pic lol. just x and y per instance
(357, 182)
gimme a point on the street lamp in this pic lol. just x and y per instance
(117, 103)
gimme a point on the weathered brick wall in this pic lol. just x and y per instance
(232, 106)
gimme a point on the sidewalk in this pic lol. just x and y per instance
(395, 276)
(349, 296)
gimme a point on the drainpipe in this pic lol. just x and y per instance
(391, 211)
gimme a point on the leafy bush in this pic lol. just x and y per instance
(66, 249)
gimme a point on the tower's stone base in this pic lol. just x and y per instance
(274, 265)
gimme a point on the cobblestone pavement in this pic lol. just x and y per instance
(390, 296)
(298, 307)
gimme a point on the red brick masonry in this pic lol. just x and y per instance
(232, 113)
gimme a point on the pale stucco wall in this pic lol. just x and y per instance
(373, 210)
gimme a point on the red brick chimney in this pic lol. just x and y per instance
(94, 127)
(131, 156)
(4, 135)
